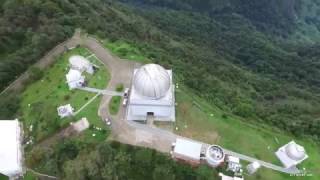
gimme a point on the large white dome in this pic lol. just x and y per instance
(152, 81)
(295, 151)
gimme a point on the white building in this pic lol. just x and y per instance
(215, 155)
(224, 177)
(253, 167)
(291, 154)
(65, 111)
(81, 125)
(75, 79)
(152, 94)
(234, 165)
(81, 64)
(10, 148)
(187, 150)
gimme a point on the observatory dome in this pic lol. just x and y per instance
(79, 61)
(215, 155)
(152, 81)
(295, 151)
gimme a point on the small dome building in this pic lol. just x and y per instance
(291, 154)
(215, 155)
(81, 64)
(152, 94)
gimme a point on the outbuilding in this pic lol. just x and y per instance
(291, 154)
(65, 111)
(187, 150)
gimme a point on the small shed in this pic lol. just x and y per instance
(65, 111)
(187, 150)
(81, 125)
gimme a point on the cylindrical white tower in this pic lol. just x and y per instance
(253, 167)
(214, 155)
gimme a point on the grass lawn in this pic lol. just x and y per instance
(125, 50)
(114, 105)
(199, 120)
(29, 176)
(40, 100)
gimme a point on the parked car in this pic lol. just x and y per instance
(125, 101)
(107, 121)
(126, 93)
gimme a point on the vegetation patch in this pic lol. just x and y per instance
(114, 105)
(125, 50)
(119, 88)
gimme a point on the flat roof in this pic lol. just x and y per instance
(10, 151)
(188, 148)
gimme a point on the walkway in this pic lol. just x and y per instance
(86, 104)
(101, 91)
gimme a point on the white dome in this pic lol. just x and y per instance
(215, 155)
(295, 151)
(79, 61)
(152, 81)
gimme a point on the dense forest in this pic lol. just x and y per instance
(76, 159)
(229, 52)
(256, 59)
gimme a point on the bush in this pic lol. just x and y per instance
(119, 88)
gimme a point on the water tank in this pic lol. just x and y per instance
(253, 167)
(215, 155)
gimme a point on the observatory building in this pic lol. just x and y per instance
(215, 155)
(152, 94)
(75, 79)
(10, 148)
(291, 154)
(81, 64)
(65, 111)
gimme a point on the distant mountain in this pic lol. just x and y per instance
(278, 17)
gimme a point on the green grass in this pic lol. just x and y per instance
(40, 100)
(199, 120)
(29, 176)
(125, 50)
(3, 177)
(114, 105)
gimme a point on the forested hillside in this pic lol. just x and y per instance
(241, 56)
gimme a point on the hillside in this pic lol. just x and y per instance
(223, 57)
(256, 60)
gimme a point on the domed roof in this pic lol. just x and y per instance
(79, 61)
(295, 151)
(152, 81)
